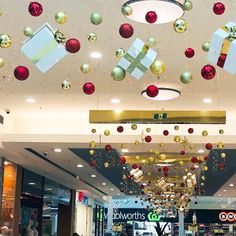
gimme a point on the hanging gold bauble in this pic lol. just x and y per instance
(204, 133)
(206, 46)
(223, 155)
(61, 17)
(151, 159)
(177, 139)
(134, 126)
(176, 127)
(1, 62)
(91, 152)
(107, 132)
(204, 168)
(221, 131)
(137, 157)
(148, 130)
(220, 145)
(92, 37)
(181, 163)
(180, 25)
(85, 68)
(92, 144)
(127, 10)
(158, 67)
(188, 5)
(162, 156)
(93, 131)
(151, 42)
(136, 142)
(5, 41)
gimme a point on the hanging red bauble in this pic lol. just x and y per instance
(126, 30)
(93, 163)
(108, 148)
(72, 45)
(165, 169)
(152, 91)
(122, 160)
(134, 166)
(88, 88)
(221, 60)
(189, 52)
(199, 161)
(196, 187)
(148, 139)
(158, 193)
(194, 159)
(221, 166)
(151, 17)
(120, 129)
(192, 168)
(21, 73)
(142, 187)
(182, 152)
(129, 177)
(35, 9)
(219, 8)
(205, 158)
(209, 146)
(208, 72)
(190, 130)
(166, 174)
(165, 132)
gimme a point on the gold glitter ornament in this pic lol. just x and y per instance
(137, 157)
(5, 41)
(223, 155)
(136, 142)
(162, 156)
(176, 127)
(151, 42)
(180, 25)
(158, 67)
(92, 37)
(204, 168)
(221, 131)
(91, 152)
(204, 133)
(92, 144)
(177, 139)
(122, 145)
(181, 163)
(220, 145)
(106, 164)
(148, 130)
(120, 52)
(93, 131)
(106, 132)
(134, 127)
(65, 85)
(85, 68)
(61, 17)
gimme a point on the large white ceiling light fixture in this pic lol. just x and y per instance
(166, 10)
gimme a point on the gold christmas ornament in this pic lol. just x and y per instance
(161, 144)
(188, 5)
(176, 127)
(181, 163)
(220, 145)
(204, 133)
(223, 155)
(93, 131)
(5, 41)
(180, 25)
(28, 32)
(206, 46)
(122, 145)
(134, 127)
(120, 52)
(151, 42)
(221, 131)
(186, 77)
(137, 157)
(118, 73)
(92, 144)
(126, 10)
(85, 68)
(191, 146)
(61, 17)
(106, 132)
(136, 142)
(1, 62)
(205, 168)
(66, 85)
(106, 164)
(92, 37)
(177, 139)
(148, 130)
(158, 67)
(91, 152)
(151, 159)
(162, 156)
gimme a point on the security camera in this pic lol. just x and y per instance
(7, 111)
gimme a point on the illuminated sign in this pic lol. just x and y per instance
(227, 216)
(153, 217)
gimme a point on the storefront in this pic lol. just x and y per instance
(99, 223)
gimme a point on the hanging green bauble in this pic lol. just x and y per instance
(96, 18)
(206, 46)
(120, 52)
(118, 73)
(186, 77)
(151, 42)
(127, 10)
(28, 32)
(92, 37)
(61, 17)
(85, 68)
(188, 5)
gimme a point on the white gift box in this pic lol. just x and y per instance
(216, 46)
(136, 173)
(135, 61)
(43, 49)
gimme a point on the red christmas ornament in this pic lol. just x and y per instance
(194, 160)
(192, 168)
(129, 177)
(205, 158)
(151, 17)
(126, 30)
(88, 88)
(21, 73)
(35, 9)
(152, 91)
(190, 130)
(166, 174)
(108, 148)
(182, 153)
(189, 52)
(142, 187)
(72, 45)
(120, 129)
(165, 169)
(122, 160)
(221, 166)
(208, 72)
(93, 163)
(165, 132)
(148, 139)
(134, 166)
(209, 146)
(158, 193)
(196, 187)
(219, 8)
(221, 60)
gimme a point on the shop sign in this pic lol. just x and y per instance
(153, 217)
(161, 116)
(227, 216)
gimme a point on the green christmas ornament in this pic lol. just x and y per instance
(61, 17)
(206, 46)
(118, 73)
(186, 77)
(127, 10)
(96, 18)
(188, 5)
(151, 42)
(92, 37)
(28, 32)
(85, 68)
(66, 85)
(120, 52)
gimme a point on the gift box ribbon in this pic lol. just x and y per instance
(136, 62)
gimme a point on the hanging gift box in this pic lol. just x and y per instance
(222, 50)
(137, 174)
(137, 59)
(45, 48)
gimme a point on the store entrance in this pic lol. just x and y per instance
(64, 220)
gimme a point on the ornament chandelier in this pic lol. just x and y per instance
(153, 11)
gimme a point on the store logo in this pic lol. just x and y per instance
(227, 216)
(128, 216)
(153, 217)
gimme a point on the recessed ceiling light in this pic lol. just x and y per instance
(118, 194)
(231, 185)
(164, 94)
(104, 184)
(124, 150)
(31, 183)
(163, 164)
(57, 150)
(224, 190)
(6, 163)
(172, 184)
(200, 151)
(30, 100)
(196, 166)
(207, 100)
(95, 55)
(80, 166)
(93, 176)
(219, 195)
(143, 161)
(118, 111)
(144, 184)
(112, 189)
(48, 189)
(115, 100)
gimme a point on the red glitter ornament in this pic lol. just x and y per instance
(89, 88)
(205, 158)
(165, 169)
(148, 139)
(21, 73)
(126, 30)
(129, 177)
(182, 152)
(219, 8)
(221, 166)
(134, 166)
(35, 9)
(120, 129)
(189, 52)
(165, 132)
(108, 148)
(221, 60)
(209, 146)
(190, 130)
(93, 163)
(208, 72)
(152, 91)
(194, 160)
(142, 187)
(122, 160)
(166, 174)
(151, 17)
(72, 45)
(192, 168)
